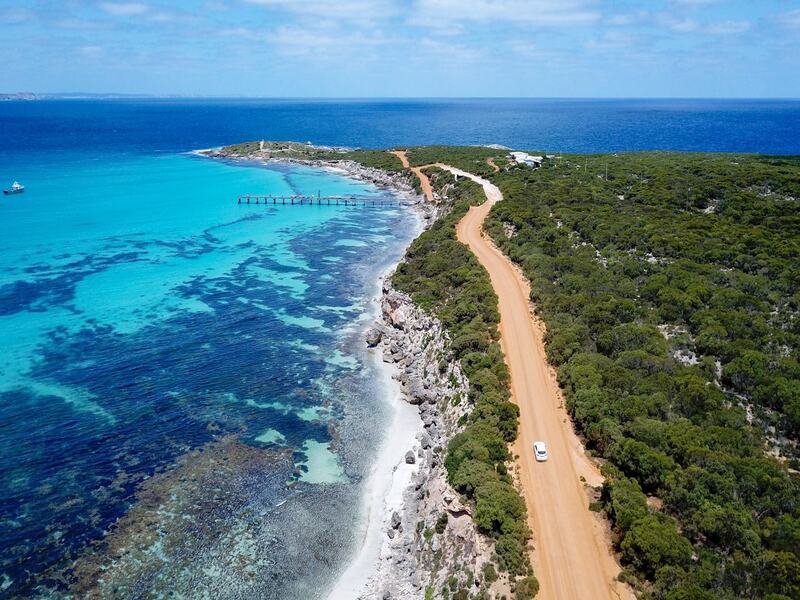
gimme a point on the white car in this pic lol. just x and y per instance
(540, 451)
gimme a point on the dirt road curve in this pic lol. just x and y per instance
(424, 182)
(572, 559)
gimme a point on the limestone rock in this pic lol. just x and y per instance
(417, 343)
(373, 337)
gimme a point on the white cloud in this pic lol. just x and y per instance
(695, 2)
(446, 52)
(343, 10)
(612, 40)
(693, 26)
(527, 50)
(91, 51)
(171, 17)
(683, 25)
(240, 32)
(124, 9)
(532, 12)
(790, 19)
(728, 27)
(621, 20)
(324, 42)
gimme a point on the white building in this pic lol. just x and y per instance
(523, 158)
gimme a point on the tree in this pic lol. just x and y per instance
(650, 467)
(499, 507)
(653, 542)
(626, 502)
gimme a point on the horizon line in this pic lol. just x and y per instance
(10, 96)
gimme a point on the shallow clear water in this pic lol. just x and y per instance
(192, 370)
(145, 314)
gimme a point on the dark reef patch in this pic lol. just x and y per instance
(108, 426)
(207, 509)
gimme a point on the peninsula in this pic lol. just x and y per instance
(638, 314)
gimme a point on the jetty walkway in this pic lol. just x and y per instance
(344, 201)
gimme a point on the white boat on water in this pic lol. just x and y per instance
(16, 188)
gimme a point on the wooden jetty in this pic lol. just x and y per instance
(354, 201)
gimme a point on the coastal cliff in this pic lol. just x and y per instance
(432, 543)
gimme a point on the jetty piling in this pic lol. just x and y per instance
(301, 200)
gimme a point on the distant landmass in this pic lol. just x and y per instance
(20, 96)
(81, 96)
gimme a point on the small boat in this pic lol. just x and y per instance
(16, 188)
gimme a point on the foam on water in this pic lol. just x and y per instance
(351, 243)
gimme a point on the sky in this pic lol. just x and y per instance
(403, 48)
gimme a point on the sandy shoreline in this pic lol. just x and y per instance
(386, 489)
(416, 532)
(383, 494)
(390, 475)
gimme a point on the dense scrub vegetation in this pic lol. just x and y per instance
(443, 276)
(467, 158)
(669, 286)
(377, 159)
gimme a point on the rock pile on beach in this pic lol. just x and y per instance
(432, 536)
(378, 177)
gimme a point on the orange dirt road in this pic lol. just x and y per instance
(424, 182)
(572, 557)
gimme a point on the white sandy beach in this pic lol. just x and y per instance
(390, 475)
(383, 494)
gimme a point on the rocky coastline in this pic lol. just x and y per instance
(431, 541)
(433, 538)
(397, 183)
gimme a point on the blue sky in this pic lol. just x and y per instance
(590, 48)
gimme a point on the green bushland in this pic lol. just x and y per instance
(377, 159)
(704, 247)
(467, 158)
(614, 247)
(442, 276)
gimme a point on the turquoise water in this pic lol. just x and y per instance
(155, 335)
(186, 404)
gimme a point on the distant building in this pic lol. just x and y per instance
(523, 158)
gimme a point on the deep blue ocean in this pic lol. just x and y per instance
(186, 403)
(558, 125)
